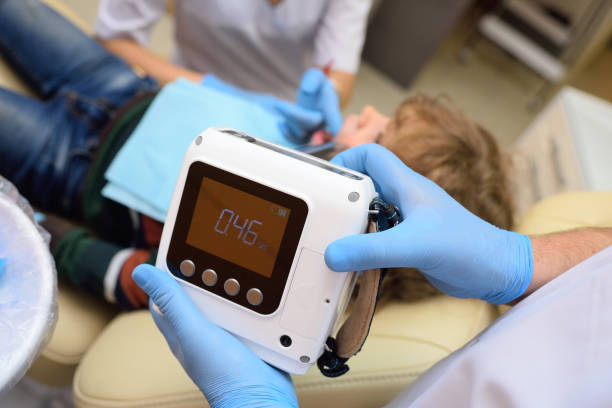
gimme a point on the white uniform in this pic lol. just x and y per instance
(249, 43)
(553, 349)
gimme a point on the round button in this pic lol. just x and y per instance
(254, 296)
(209, 277)
(187, 267)
(231, 287)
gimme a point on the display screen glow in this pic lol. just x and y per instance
(238, 227)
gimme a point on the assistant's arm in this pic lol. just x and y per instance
(141, 58)
(124, 27)
(338, 43)
(344, 82)
(555, 253)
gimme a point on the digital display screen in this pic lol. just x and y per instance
(238, 227)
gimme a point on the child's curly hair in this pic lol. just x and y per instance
(438, 141)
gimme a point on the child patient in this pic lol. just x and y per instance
(435, 139)
(56, 151)
(427, 134)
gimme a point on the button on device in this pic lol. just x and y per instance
(254, 296)
(231, 287)
(209, 277)
(187, 267)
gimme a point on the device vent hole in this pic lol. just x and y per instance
(285, 340)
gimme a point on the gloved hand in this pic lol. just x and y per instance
(459, 253)
(316, 94)
(299, 122)
(1, 267)
(225, 370)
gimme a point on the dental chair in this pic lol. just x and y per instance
(130, 365)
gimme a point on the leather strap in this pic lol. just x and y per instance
(355, 329)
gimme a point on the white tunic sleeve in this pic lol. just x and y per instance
(551, 350)
(128, 18)
(341, 34)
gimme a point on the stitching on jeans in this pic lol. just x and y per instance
(73, 99)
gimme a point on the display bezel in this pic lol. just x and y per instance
(272, 287)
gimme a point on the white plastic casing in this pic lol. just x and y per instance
(314, 296)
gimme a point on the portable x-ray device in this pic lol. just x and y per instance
(245, 235)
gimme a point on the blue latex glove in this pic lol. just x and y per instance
(225, 370)
(1, 267)
(459, 253)
(299, 122)
(316, 94)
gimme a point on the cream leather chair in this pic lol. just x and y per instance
(81, 318)
(129, 365)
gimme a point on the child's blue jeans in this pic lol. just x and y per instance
(46, 146)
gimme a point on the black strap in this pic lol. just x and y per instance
(386, 216)
(329, 363)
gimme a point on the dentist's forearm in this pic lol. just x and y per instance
(344, 82)
(555, 253)
(141, 58)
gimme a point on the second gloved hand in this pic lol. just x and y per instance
(459, 253)
(225, 370)
(316, 94)
(299, 122)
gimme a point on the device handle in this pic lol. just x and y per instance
(353, 333)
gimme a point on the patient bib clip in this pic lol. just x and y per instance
(354, 331)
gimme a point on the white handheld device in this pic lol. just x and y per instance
(245, 235)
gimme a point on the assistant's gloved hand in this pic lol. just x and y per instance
(299, 122)
(459, 253)
(225, 370)
(316, 94)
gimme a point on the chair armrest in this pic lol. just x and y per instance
(568, 211)
(130, 363)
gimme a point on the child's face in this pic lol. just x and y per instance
(370, 126)
(367, 127)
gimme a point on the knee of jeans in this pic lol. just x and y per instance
(22, 6)
(125, 83)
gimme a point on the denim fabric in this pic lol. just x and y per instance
(46, 146)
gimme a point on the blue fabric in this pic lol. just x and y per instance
(264, 100)
(316, 105)
(118, 194)
(143, 174)
(46, 146)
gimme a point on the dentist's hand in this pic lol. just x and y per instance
(225, 370)
(315, 95)
(299, 122)
(459, 253)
